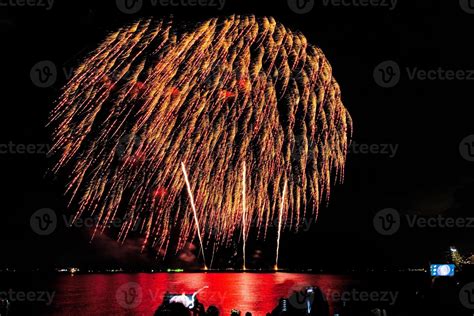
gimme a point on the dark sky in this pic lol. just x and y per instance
(425, 119)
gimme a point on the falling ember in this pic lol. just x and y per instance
(280, 218)
(196, 221)
(223, 93)
(244, 216)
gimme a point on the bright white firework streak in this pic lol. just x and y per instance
(194, 211)
(244, 215)
(280, 218)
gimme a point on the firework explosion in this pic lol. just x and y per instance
(224, 126)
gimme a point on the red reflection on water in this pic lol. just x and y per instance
(141, 294)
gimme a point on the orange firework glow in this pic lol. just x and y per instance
(247, 106)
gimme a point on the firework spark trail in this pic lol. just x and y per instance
(244, 214)
(228, 91)
(191, 199)
(280, 218)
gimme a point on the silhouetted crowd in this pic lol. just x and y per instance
(441, 297)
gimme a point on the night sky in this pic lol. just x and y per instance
(425, 120)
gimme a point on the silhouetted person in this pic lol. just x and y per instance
(235, 312)
(172, 309)
(212, 311)
(199, 309)
(320, 303)
(309, 301)
(282, 309)
(248, 314)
